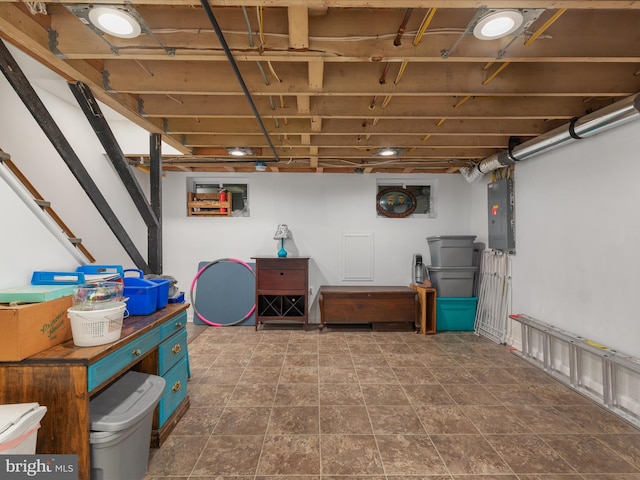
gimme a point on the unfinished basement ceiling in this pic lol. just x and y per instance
(333, 81)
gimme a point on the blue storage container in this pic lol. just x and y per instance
(115, 272)
(57, 278)
(163, 291)
(142, 294)
(179, 298)
(455, 313)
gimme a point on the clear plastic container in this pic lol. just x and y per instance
(97, 296)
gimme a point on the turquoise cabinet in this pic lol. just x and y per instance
(170, 340)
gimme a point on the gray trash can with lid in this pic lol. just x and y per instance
(121, 420)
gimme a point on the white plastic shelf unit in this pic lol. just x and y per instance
(612, 363)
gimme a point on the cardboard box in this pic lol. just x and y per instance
(29, 329)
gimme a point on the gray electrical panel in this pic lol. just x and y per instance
(502, 223)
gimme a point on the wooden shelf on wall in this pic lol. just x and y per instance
(208, 205)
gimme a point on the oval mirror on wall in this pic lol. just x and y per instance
(395, 202)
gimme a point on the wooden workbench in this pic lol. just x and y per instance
(65, 377)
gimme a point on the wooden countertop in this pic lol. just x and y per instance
(68, 352)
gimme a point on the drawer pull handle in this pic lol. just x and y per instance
(176, 349)
(136, 352)
(176, 386)
(178, 324)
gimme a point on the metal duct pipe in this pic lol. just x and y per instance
(612, 116)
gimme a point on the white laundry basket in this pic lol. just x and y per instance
(97, 327)
(19, 424)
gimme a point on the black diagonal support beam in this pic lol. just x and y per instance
(236, 71)
(27, 94)
(154, 236)
(91, 110)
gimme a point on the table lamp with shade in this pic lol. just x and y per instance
(281, 233)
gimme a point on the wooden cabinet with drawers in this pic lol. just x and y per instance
(173, 367)
(282, 290)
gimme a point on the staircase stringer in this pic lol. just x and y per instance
(45, 206)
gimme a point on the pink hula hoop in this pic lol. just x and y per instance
(195, 280)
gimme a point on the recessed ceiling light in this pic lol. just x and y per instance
(498, 24)
(388, 152)
(239, 151)
(115, 21)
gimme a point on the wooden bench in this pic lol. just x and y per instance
(375, 305)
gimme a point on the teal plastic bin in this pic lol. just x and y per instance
(456, 313)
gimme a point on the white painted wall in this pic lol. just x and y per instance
(577, 229)
(23, 232)
(318, 209)
(32, 152)
(577, 251)
(578, 238)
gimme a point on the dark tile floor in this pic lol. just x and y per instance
(356, 405)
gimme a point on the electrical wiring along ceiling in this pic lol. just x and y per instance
(331, 83)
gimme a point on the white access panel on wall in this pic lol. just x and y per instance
(357, 256)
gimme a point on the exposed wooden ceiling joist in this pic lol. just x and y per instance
(330, 83)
